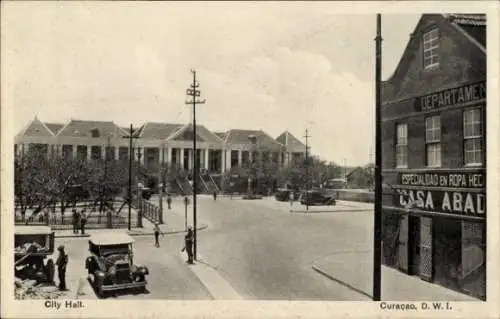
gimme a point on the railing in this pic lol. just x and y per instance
(59, 221)
(149, 211)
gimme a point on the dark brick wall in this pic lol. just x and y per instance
(461, 61)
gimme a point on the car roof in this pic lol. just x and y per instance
(105, 239)
(33, 230)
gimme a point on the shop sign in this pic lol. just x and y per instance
(461, 203)
(461, 193)
(452, 179)
(450, 97)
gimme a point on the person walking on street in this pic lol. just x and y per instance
(215, 195)
(83, 221)
(157, 232)
(188, 245)
(292, 198)
(169, 201)
(62, 262)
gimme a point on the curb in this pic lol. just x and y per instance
(331, 211)
(132, 233)
(343, 283)
(171, 232)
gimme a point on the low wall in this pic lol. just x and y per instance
(355, 195)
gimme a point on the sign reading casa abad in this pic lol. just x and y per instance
(435, 192)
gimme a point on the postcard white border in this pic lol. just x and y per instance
(279, 309)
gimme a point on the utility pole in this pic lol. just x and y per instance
(377, 220)
(161, 184)
(194, 94)
(345, 169)
(130, 159)
(307, 136)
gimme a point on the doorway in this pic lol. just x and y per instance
(447, 252)
(414, 245)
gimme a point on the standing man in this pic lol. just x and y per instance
(74, 221)
(188, 245)
(83, 221)
(169, 201)
(292, 198)
(62, 262)
(215, 195)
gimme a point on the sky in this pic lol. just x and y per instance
(270, 66)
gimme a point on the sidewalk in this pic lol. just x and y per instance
(354, 269)
(174, 223)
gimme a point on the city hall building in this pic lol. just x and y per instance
(160, 143)
(434, 155)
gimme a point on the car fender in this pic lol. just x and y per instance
(88, 262)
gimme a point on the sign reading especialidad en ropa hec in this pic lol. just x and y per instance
(443, 192)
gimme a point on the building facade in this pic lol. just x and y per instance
(434, 155)
(156, 144)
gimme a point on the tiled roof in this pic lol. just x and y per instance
(222, 135)
(472, 24)
(290, 141)
(54, 127)
(468, 19)
(159, 130)
(262, 138)
(205, 134)
(36, 128)
(79, 128)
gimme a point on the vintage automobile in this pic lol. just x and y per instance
(315, 197)
(110, 265)
(32, 245)
(283, 194)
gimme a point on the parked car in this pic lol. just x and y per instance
(32, 246)
(110, 265)
(315, 197)
(283, 194)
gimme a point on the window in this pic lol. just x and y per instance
(433, 141)
(431, 45)
(473, 153)
(402, 145)
(95, 133)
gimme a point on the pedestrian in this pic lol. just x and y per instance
(157, 232)
(169, 201)
(215, 195)
(74, 221)
(83, 221)
(62, 262)
(292, 198)
(188, 245)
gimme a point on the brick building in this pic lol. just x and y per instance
(434, 154)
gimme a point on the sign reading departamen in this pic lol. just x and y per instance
(459, 193)
(459, 95)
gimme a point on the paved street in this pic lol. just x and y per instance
(265, 252)
(170, 277)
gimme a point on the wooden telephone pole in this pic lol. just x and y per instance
(194, 94)
(377, 220)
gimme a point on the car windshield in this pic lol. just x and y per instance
(113, 259)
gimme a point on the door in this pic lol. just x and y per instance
(403, 244)
(414, 246)
(426, 248)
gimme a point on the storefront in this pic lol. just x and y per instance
(438, 232)
(434, 151)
